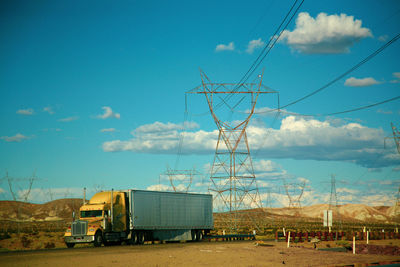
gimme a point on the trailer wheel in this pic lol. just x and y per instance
(70, 245)
(140, 238)
(98, 239)
(199, 236)
(134, 238)
(194, 235)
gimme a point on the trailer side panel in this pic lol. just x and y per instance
(169, 210)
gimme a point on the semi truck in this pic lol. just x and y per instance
(136, 216)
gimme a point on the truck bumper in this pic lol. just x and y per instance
(79, 239)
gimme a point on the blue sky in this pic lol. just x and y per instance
(93, 94)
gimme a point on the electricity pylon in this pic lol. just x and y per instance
(333, 200)
(233, 182)
(181, 180)
(297, 193)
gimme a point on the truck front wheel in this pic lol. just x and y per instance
(98, 239)
(70, 245)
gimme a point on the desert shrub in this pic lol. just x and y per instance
(25, 241)
(4, 236)
(49, 245)
(343, 243)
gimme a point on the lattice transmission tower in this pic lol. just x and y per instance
(295, 191)
(181, 180)
(333, 201)
(233, 182)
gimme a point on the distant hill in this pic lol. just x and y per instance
(348, 212)
(61, 209)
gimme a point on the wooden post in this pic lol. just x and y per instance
(288, 241)
(354, 244)
(367, 237)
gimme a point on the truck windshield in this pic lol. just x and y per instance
(91, 213)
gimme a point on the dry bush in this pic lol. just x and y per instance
(4, 236)
(49, 245)
(25, 241)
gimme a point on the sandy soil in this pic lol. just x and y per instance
(239, 253)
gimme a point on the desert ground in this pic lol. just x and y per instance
(238, 253)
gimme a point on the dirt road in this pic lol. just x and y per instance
(244, 253)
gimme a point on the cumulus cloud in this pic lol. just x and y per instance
(355, 82)
(48, 110)
(397, 76)
(28, 111)
(297, 138)
(254, 44)
(325, 34)
(42, 195)
(108, 113)
(386, 112)
(346, 190)
(165, 127)
(159, 187)
(108, 130)
(383, 38)
(68, 119)
(16, 138)
(224, 47)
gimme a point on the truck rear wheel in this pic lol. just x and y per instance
(98, 239)
(140, 238)
(199, 235)
(70, 245)
(134, 238)
(194, 235)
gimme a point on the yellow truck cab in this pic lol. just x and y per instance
(95, 220)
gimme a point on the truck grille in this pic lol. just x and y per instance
(79, 228)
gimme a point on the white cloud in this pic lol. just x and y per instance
(386, 112)
(297, 138)
(162, 127)
(28, 111)
(159, 187)
(383, 38)
(48, 110)
(108, 113)
(68, 119)
(42, 195)
(326, 34)
(16, 138)
(396, 169)
(223, 47)
(303, 180)
(264, 166)
(108, 130)
(397, 76)
(354, 82)
(346, 190)
(254, 44)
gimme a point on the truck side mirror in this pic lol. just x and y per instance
(73, 215)
(109, 213)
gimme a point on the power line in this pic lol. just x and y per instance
(365, 60)
(340, 112)
(272, 41)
